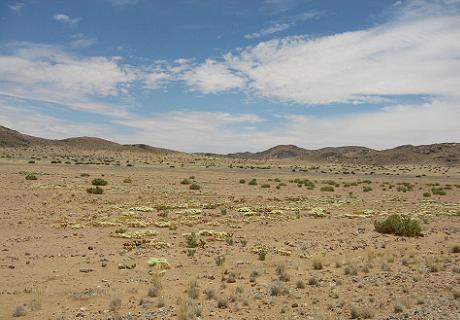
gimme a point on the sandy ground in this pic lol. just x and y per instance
(63, 255)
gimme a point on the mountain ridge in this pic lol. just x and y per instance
(439, 153)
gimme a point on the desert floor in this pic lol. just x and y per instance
(67, 254)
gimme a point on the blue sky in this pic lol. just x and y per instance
(226, 76)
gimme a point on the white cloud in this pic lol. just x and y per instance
(431, 122)
(191, 130)
(45, 73)
(81, 41)
(416, 54)
(64, 18)
(282, 26)
(155, 80)
(304, 16)
(17, 7)
(195, 131)
(268, 31)
(212, 77)
(33, 122)
(160, 73)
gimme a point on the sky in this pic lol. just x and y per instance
(232, 76)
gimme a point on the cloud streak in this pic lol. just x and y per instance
(45, 73)
(16, 7)
(65, 19)
(79, 40)
(282, 26)
(268, 31)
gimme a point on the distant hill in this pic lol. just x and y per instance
(440, 153)
(13, 139)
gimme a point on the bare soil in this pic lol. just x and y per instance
(63, 255)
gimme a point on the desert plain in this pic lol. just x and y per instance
(219, 238)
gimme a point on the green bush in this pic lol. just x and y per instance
(399, 225)
(191, 240)
(99, 182)
(438, 191)
(242, 181)
(330, 182)
(253, 182)
(31, 176)
(186, 181)
(195, 186)
(327, 189)
(361, 313)
(367, 189)
(191, 252)
(307, 183)
(84, 174)
(404, 187)
(261, 255)
(95, 190)
(220, 260)
(266, 185)
(426, 194)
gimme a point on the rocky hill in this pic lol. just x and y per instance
(440, 153)
(13, 139)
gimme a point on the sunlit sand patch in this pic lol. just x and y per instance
(162, 224)
(318, 212)
(142, 209)
(138, 234)
(189, 211)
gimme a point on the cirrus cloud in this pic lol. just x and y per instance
(413, 54)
